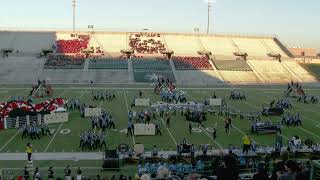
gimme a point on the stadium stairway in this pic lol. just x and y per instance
(256, 72)
(173, 69)
(293, 74)
(216, 70)
(299, 71)
(130, 71)
(242, 77)
(271, 71)
(86, 65)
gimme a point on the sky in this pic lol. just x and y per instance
(294, 22)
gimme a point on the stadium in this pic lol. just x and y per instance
(156, 105)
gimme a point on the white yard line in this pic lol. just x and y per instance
(303, 129)
(284, 136)
(218, 144)
(309, 132)
(55, 134)
(259, 109)
(164, 124)
(82, 94)
(125, 97)
(10, 140)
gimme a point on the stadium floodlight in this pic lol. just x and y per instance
(74, 15)
(210, 9)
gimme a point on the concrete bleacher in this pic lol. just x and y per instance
(197, 77)
(108, 64)
(253, 47)
(274, 48)
(151, 75)
(271, 71)
(109, 42)
(237, 65)
(299, 71)
(160, 64)
(218, 45)
(80, 76)
(27, 42)
(183, 45)
(239, 77)
(20, 69)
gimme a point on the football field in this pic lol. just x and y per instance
(66, 138)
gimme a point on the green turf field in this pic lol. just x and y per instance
(11, 139)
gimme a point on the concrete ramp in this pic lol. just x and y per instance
(198, 77)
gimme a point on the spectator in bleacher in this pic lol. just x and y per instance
(145, 177)
(223, 172)
(36, 174)
(26, 174)
(290, 167)
(67, 173)
(261, 174)
(278, 170)
(79, 174)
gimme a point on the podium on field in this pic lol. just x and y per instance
(142, 102)
(144, 130)
(91, 112)
(215, 102)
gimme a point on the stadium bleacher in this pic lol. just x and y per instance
(191, 63)
(146, 43)
(271, 71)
(186, 48)
(198, 77)
(108, 64)
(239, 76)
(65, 62)
(219, 45)
(253, 47)
(300, 71)
(160, 64)
(110, 44)
(184, 45)
(274, 48)
(237, 65)
(151, 75)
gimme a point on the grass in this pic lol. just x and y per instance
(178, 128)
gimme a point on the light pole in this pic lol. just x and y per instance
(74, 16)
(210, 9)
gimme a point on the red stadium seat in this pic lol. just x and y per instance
(72, 46)
(191, 63)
